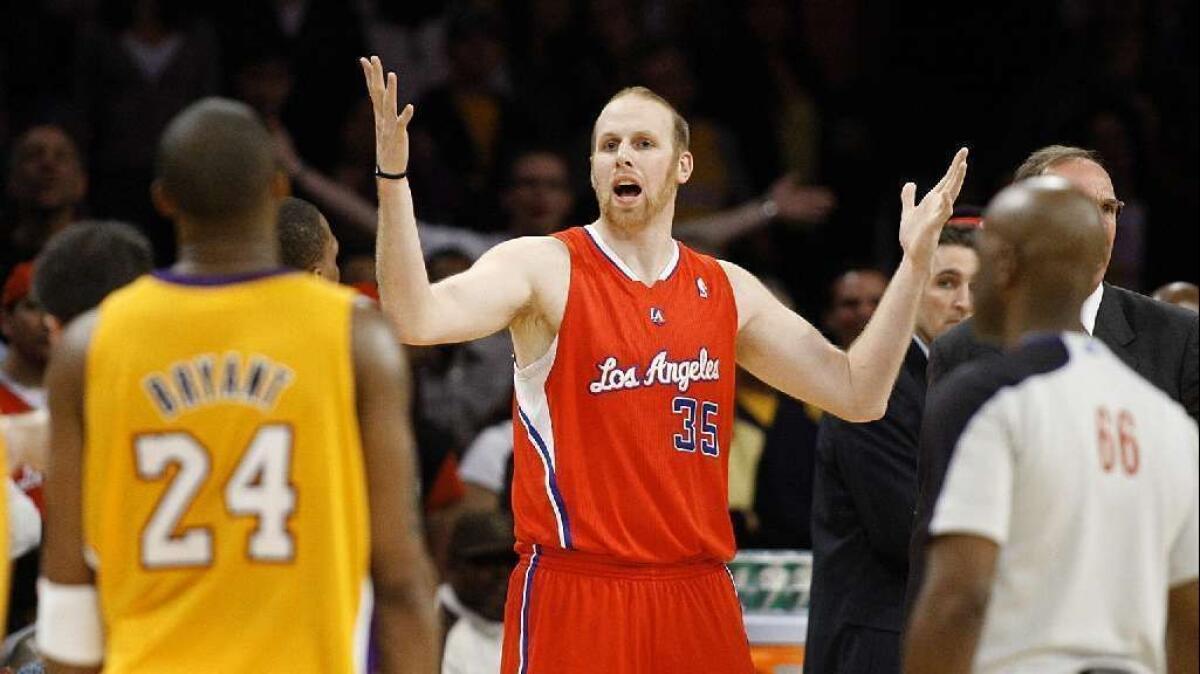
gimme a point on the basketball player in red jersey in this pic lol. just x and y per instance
(626, 344)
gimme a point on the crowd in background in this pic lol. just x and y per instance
(803, 115)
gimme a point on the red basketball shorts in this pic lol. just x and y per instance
(576, 613)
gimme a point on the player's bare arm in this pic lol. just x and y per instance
(500, 288)
(948, 617)
(405, 613)
(63, 564)
(785, 351)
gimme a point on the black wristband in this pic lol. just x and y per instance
(390, 176)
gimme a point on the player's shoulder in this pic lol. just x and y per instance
(742, 281)
(529, 252)
(1126, 382)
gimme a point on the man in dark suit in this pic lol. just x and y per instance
(864, 490)
(1157, 340)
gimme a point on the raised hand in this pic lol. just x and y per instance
(391, 129)
(804, 203)
(921, 223)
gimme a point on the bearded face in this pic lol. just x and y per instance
(636, 168)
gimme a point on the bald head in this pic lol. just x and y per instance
(1181, 294)
(215, 161)
(1043, 241)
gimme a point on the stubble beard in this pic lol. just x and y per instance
(645, 213)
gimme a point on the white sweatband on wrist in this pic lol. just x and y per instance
(69, 629)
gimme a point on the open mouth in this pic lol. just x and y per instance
(627, 190)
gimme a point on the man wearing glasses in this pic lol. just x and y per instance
(1155, 339)
(1152, 338)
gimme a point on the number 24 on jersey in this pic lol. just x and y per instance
(259, 487)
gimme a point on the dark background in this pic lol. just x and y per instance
(856, 95)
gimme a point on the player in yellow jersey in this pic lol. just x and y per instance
(231, 476)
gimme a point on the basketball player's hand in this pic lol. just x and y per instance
(391, 129)
(921, 223)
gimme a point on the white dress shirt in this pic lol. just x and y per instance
(1091, 307)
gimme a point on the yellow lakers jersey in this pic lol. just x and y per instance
(224, 495)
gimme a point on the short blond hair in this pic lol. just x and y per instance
(1052, 155)
(682, 134)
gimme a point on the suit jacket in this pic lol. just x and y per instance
(1157, 340)
(784, 479)
(863, 496)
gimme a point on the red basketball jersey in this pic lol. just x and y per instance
(622, 428)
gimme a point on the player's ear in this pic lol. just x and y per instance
(163, 203)
(53, 326)
(684, 170)
(1005, 265)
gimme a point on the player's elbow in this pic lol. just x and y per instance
(407, 590)
(409, 330)
(961, 606)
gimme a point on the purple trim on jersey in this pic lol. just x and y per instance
(217, 279)
(1039, 337)
(551, 479)
(594, 238)
(526, 592)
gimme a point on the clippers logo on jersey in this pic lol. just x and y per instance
(701, 288)
(661, 371)
(656, 316)
(199, 381)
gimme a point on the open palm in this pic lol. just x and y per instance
(921, 223)
(391, 129)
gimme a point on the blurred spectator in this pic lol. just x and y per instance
(23, 326)
(865, 489)
(144, 62)
(611, 30)
(77, 268)
(305, 240)
(321, 41)
(464, 127)
(485, 464)
(719, 179)
(262, 77)
(410, 39)
(768, 84)
(853, 297)
(787, 200)
(460, 388)
(547, 55)
(45, 190)
(1181, 294)
(481, 559)
(770, 462)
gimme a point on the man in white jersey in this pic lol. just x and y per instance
(1065, 536)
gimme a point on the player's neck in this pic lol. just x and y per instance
(1041, 314)
(230, 250)
(23, 371)
(646, 250)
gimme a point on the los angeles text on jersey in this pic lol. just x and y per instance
(204, 379)
(613, 376)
